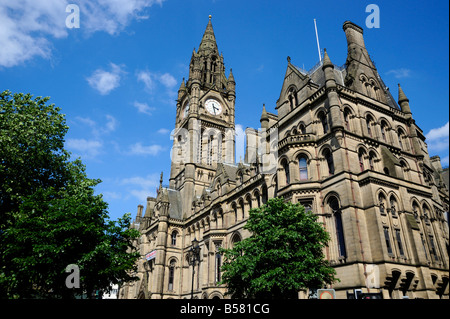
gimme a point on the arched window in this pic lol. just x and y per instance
(334, 206)
(303, 167)
(347, 114)
(386, 170)
(219, 189)
(369, 121)
(210, 150)
(323, 119)
(264, 194)
(393, 205)
(383, 131)
(241, 204)
(401, 136)
(416, 210)
(174, 238)
(258, 199)
(372, 157)
(399, 242)
(285, 166)
(382, 203)
(302, 129)
(234, 207)
(426, 214)
(361, 154)
(171, 274)
(387, 239)
(433, 248)
(292, 98)
(330, 163)
(218, 263)
(405, 169)
(249, 201)
(200, 155)
(291, 102)
(235, 239)
(220, 153)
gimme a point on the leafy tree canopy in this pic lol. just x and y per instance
(50, 217)
(283, 255)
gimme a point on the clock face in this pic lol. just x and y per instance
(213, 107)
(186, 110)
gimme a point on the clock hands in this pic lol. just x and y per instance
(214, 108)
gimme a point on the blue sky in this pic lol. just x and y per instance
(116, 77)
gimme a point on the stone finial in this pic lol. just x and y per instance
(326, 60)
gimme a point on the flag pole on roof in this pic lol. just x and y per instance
(317, 38)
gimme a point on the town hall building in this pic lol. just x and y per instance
(340, 144)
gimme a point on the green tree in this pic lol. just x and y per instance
(50, 216)
(283, 255)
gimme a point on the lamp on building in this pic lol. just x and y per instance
(194, 256)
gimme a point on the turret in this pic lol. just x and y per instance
(264, 118)
(403, 101)
(181, 90)
(231, 85)
(330, 85)
(362, 75)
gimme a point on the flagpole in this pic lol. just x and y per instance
(317, 38)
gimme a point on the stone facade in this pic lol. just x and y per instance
(345, 149)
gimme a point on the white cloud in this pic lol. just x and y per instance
(143, 108)
(84, 148)
(150, 80)
(163, 131)
(98, 130)
(91, 148)
(438, 139)
(106, 81)
(27, 27)
(400, 73)
(141, 186)
(145, 182)
(438, 133)
(146, 78)
(139, 149)
(111, 125)
(114, 15)
(86, 120)
(167, 80)
(107, 195)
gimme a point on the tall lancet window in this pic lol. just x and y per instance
(210, 150)
(285, 165)
(329, 159)
(303, 166)
(334, 206)
(324, 121)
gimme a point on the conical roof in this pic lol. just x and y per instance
(326, 60)
(209, 40)
(401, 95)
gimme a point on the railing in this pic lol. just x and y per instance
(293, 139)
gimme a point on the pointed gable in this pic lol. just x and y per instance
(292, 77)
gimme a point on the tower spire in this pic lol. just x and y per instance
(208, 42)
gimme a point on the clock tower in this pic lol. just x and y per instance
(204, 126)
